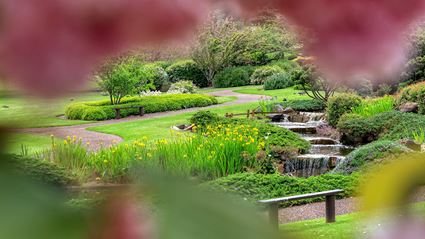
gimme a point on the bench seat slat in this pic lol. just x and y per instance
(304, 196)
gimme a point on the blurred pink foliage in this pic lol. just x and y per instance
(49, 47)
(351, 36)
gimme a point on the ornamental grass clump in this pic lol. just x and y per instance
(373, 107)
(209, 153)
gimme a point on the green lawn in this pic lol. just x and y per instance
(159, 128)
(31, 112)
(346, 226)
(28, 143)
(288, 93)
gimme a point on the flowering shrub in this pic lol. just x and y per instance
(182, 87)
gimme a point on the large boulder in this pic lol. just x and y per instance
(411, 107)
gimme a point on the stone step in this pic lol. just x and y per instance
(321, 140)
(330, 149)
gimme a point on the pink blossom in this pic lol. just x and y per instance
(350, 36)
(50, 46)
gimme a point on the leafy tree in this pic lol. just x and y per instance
(218, 44)
(314, 85)
(123, 76)
(415, 67)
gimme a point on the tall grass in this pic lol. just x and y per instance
(373, 107)
(419, 136)
(208, 154)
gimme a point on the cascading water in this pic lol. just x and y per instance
(325, 153)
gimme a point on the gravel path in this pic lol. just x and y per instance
(342, 206)
(97, 140)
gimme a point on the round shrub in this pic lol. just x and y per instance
(278, 81)
(182, 87)
(262, 73)
(75, 111)
(341, 104)
(94, 113)
(203, 118)
(370, 153)
(232, 77)
(414, 93)
(187, 70)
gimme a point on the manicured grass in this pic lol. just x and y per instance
(345, 227)
(288, 93)
(31, 113)
(348, 226)
(18, 143)
(158, 128)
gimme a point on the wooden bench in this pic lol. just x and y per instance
(118, 110)
(273, 204)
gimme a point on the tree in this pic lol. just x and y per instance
(415, 66)
(123, 76)
(217, 45)
(314, 85)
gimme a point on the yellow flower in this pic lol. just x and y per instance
(88, 143)
(65, 142)
(97, 179)
(149, 155)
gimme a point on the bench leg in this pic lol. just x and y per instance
(330, 208)
(274, 215)
(141, 111)
(117, 114)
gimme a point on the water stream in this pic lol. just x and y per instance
(325, 153)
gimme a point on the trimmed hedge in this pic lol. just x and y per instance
(42, 171)
(341, 104)
(233, 76)
(369, 153)
(389, 125)
(266, 186)
(103, 110)
(306, 105)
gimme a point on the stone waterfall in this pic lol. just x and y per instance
(325, 153)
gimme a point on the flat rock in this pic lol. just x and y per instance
(409, 107)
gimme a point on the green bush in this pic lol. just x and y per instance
(305, 105)
(266, 186)
(42, 171)
(414, 93)
(203, 118)
(158, 76)
(187, 70)
(152, 104)
(370, 153)
(339, 105)
(183, 87)
(262, 73)
(232, 77)
(94, 113)
(393, 125)
(278, 81)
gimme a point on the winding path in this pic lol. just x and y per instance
(97, 140)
